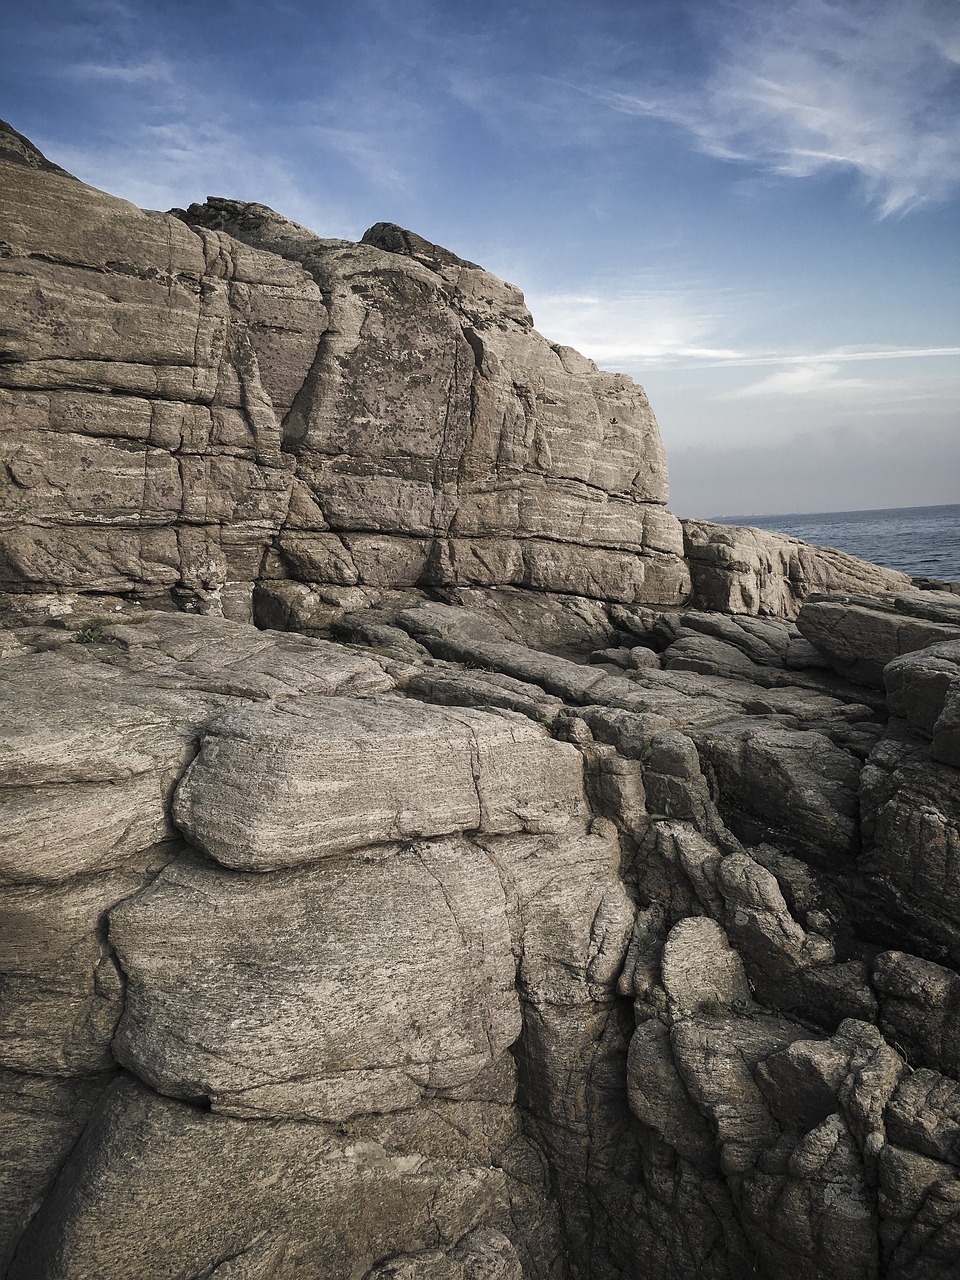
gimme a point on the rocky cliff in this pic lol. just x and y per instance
(541, 889)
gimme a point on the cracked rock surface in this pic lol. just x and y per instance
(500, 906)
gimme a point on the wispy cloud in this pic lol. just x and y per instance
(368, 152)
(843, 355)
(633, 326)
(802, 88)
(802, 380)
(154, 69)
(681, 327)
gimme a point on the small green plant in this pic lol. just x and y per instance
(90, 633)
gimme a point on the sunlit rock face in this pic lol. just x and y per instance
(492, 911)
(182, 394)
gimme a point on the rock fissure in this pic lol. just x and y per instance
(549, 889)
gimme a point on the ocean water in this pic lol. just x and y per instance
(921, 541)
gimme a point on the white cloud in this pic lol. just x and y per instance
(679, 327)
(802, 88)
(156, 69)
(635, 326)
(844, 355)
(802, 380)
(368, 152)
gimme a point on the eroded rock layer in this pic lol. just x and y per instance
(524, 919)
(496, 960)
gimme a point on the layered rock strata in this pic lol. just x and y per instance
(526, 919)
(194, 405)
(501, 963)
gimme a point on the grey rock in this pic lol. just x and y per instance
(464, 973)
(700, 969)
(318, 994)
(41, 1118)
(481, 1255)
(910, 817)
(738, 569)
(920, 1009)
(924, 1115)
(299, 781)
(200, 1178)
(861, 634)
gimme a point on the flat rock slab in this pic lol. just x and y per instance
(318, 994)
(313, 778)
(157, 1188)
(859, 635)
(94, 736)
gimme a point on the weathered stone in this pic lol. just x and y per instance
(945, 744)
(511, 460)
(760, 922)
(375, 982)
(481, 1255)
(700, 968)
(659, 1098)
(41, 1118)
(180, 486)
(924, 1115)
(336, 775)
(62, 993)
(910, 814)
(156, 1186)
(919, 1202)
(717, 1057)
(796, 789)
(919, 683)
(920, 1009)
(737, 569)
(861, 634)
(478, 981)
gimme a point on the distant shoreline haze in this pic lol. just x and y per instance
(855, 511)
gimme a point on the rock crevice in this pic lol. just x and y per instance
(543, 889)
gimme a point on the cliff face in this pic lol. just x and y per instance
(193, 406)
(542, 911)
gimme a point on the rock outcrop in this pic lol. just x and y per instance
(738, 569)
(532, 915)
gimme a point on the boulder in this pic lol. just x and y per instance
(738, 569)
(296, 782)
(860, 635)
(318, 994)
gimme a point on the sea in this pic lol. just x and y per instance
(921, 541)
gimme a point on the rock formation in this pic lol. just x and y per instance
(541, 890)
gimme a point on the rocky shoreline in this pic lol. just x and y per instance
(424, 856)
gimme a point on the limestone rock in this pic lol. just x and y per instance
(336, 775)
(318, 994)
(924, 1115)
(910, 814)
(738, 569)
(861, 634)
(480, 454)
(701, 969)
(481, 1255)
(41, 1119)
(177, 484)
(920, 1008)
(522, 917)
(775, 780)
(157, 1185)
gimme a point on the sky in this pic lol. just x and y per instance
(751, 207)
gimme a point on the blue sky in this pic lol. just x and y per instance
(751, 207)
